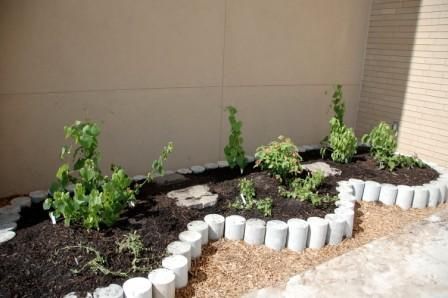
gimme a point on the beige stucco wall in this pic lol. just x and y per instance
(156, 71)
(406, 75)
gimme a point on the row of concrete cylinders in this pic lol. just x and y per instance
(295, 235)
(422, 196)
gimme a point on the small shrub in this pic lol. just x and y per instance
(383, 143)
(342, 141)
(247, 201)
(234, 151)
(280, 158)
(97, 199)
(305, 189)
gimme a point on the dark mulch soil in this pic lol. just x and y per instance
(35, 263)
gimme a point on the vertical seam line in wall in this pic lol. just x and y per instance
(221, 103)
(363, 63)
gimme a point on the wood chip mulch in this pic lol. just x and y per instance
(230, 268)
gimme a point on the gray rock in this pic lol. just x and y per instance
(10, 209)
(223, 164)
(75, 295)
(169, 172)
(9, 218)
(197, 196)
(211, 166)
(250, 158)
(12, 226)
(138, 178)
(21, 201)
(323, 167)
(112, 291)
(197, 169)
(38, 196)
(70, 188)
(170, 179)
(6, 236)
(184, 171)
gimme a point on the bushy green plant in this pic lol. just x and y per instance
(247, 200)
(304, 189)
(342, 141)
(234, 150)
(280, 158)
(383, 143)
(97, 199)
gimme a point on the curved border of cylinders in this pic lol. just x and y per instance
(295, 234)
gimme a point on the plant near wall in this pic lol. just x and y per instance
(97, 199)
(280, 158)
(247, 201)
(383, 143)
(305, 189)
(342, 141)
(234, 150)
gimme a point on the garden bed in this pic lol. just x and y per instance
(35, 263)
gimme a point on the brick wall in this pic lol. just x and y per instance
(406, 74)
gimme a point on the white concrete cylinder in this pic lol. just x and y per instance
(201, 227)
(255, 231)
(180, 248)
(194, 239)
(347, 204)
(317, 233)
(276, 233)
(111, 291)
(137, 287)
(388, 194)
(358, 187)
(336, 229)
(345, 188)
(179, 265)
(371, 191)
(297, 234)
(234, 227)
(421, 196)
(442, 188)
(444, 181)
(349, 216)
(215, 226)
(405, 196)
(434, 195)
(163, 283)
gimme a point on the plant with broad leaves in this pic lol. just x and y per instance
(342, 142)
(97, 199)
(280, 158)
(305, 189)
(383, 143)
(246, 199)
(234, 150)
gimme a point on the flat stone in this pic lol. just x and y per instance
(38, 196)
(112, 291)
(250, 158)
(21, 201)
(6, 236)
(197, 196)
(169, 172)
(223, 164)
(11, 226)
(197, 169)
(76, 295)
(9, 218)
(170, 179)
(323, 167)
(211, 166)
(138, 178)
(184, 171)
(10, 209)
(70, 188)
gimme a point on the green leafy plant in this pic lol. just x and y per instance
(280, 158)
(342, 141)
(383, 143)
(304, 189)
(133, 244)
(234, 151)
(97, 199)
(247, 201)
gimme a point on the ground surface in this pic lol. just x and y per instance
(410, 263)
(230, 269)
(36, 262)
